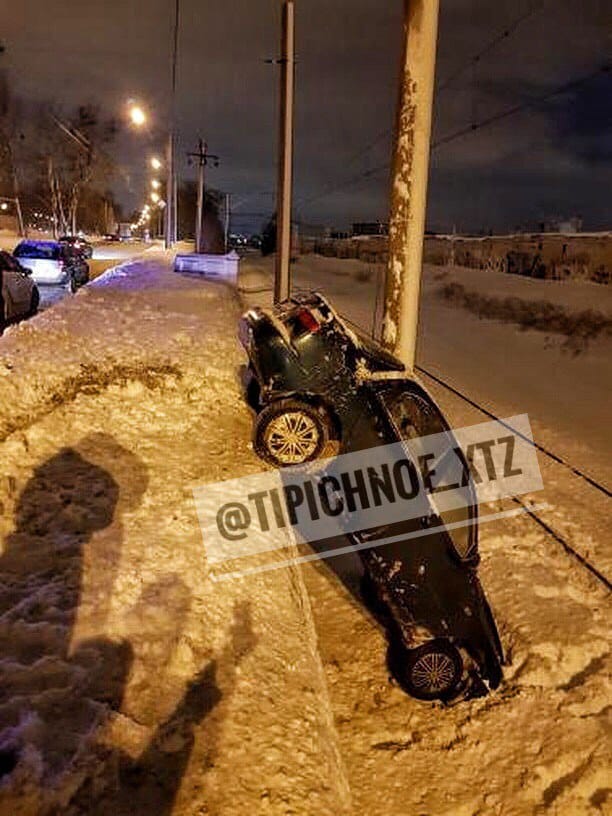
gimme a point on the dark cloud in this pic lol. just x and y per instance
(89, 50)
(583, 121)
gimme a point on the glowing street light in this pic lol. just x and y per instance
(155, 197)
(155, 163)
(137, 115)
(155, 184)
(4, 206)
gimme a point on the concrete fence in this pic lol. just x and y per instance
(553, 256)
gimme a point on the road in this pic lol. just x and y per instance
(106, 254)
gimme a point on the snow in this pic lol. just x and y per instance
(541, 743)
(131, 683)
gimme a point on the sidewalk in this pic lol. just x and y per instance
(130, 682)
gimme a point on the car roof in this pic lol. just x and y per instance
(38, 243)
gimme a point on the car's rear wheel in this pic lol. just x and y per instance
(432, 671)
(290, 432)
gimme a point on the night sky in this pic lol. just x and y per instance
(554, 159)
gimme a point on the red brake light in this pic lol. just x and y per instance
(308, 321)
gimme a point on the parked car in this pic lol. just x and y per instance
(313, 379)
(78, 243)
(53, 263)
(19, 296)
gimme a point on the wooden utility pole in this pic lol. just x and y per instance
(203, 157)
(410, 175)
(282, 283)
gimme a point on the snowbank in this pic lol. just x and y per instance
(129, 681)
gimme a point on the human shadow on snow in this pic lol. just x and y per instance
(55, 699)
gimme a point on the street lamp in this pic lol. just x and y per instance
(155, 184)
(155, 163)
(155, 197)
(137, 115)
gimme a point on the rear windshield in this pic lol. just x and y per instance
(45, 252)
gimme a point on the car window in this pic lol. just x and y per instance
(47, 252)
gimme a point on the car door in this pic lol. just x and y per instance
(16, 289)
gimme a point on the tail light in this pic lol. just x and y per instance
(307, 321)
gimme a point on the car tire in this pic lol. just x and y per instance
(290, 432)
(34, 302)
(252, 389)
(432, 671)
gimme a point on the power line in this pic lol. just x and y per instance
(490, 46)
(529, 103)
(346, 183)
(450, 137)
(500, 37)
(386, 132)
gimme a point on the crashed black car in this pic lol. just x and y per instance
(318, 387)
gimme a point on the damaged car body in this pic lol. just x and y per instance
(319, 387)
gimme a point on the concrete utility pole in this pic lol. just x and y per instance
(200, 205)
(228, 215)
(203, 157)
(282, 283)
(171, 185)
(168, 213)
(410, 175)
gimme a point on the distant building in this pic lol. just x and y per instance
(563, 225)
(370, 228)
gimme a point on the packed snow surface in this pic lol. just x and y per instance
(131, 683)
(541, 744)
